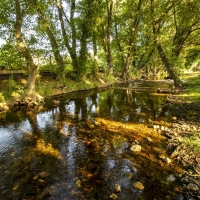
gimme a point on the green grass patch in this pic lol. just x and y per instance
(192, 92)
(192, 141)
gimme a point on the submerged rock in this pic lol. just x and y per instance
(149, 139)
(171, 178)
(117, 188)
(44, 174)
(113, 196)
(56, 102)
(138, 186)
(167, 160)
(192, 186)
(136, 148)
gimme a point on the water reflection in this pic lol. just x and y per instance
(81, 149)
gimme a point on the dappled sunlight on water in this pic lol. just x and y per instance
(81, 149)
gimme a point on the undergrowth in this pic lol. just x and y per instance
(192, 141)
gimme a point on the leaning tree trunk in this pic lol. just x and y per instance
(167, 65)
(32, 68)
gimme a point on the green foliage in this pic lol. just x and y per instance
(192, 91)
(192, 141)
(122, 30)
(45, 89)
(83, 85)
(48, 67)
(2, 98)
(193, 82)
(11, 57)
(9, 89)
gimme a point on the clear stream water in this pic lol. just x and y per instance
(80, 148)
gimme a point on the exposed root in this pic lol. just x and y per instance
(34, 96)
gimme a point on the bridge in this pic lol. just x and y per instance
(19, 73)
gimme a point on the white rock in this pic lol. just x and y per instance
(171, 178)
(167, 160)
(149, 139)
(136, 148)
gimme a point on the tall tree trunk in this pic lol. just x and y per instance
(81, 68)
(118, 41)
(71, 49)
(95, 55)
(32, 68)
(86, 32)
(165, 60)
(74, 37)
(53, 42)
(131, 44)
(108, 35)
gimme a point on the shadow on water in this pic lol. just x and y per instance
(81, 148)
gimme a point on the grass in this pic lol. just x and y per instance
(46, 86)
(192, 92)
(192, 141)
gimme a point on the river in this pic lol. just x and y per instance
(81, 148)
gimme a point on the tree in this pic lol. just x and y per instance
(131, 41)
(32, 68)
(168, 19)
(54, 45)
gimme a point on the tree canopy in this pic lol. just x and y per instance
(121, 36)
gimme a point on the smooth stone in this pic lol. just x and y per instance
(136, 148)
(167, 160)
(149, 139)
(138, 186)
(192, 186)
(171, 178)
(117, 188)
(113, 196)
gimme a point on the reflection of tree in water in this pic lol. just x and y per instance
(84, 162)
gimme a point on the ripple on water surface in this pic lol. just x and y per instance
(81, 150)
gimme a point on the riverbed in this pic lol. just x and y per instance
(79, 146)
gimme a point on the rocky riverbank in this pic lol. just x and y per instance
(184, 142)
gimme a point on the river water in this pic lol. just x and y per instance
(80, 148)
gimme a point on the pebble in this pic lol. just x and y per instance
(44, 174)
(192, 186)
(149, 139)
(167, 160)
(113, 196)
(171, 178)
(117, 188)
(138, 186)
(136, 148)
